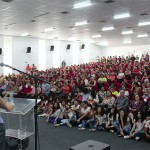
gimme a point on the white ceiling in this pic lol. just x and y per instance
(16, 16)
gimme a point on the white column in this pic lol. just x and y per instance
(7, 59)
(75, 54)
(56, 54)
(86, 54)
(42, 55)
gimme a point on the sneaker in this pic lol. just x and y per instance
(68, 124)
(119, 135)
(126, 137)
(92, 129)
(137, 138)
(80, 125)
(112, 131)
(81, 128)
(56, 125)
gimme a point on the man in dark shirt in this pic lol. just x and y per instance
(122, 101)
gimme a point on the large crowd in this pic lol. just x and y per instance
(112, 94)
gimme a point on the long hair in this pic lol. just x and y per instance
(142, 116)
(58, 107)
(114, 115)
(102, 110)
(124, 118)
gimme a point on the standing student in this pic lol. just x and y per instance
(7, 107)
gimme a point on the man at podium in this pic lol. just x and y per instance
(7, 107)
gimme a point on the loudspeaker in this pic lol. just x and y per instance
(52, 48)
(91, 145)
(68, 46)
(14, 143)
(82, 46)
(0, 51)
(28, 50)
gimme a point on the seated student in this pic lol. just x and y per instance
(137, 131)
(147, 129)
(91, 117)
(112, 121)
(135, 106)
(108, 101)
(120, 76)
(84, 113)
(113, 91)
(100, 95)
(124, 124)
(54, 115)
(122, 101)
(123, 87)
(100, 120)
(68, 116)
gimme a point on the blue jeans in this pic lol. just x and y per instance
(52, 119)
(116, 126)
(127, 130)
(2, 136)
(84, 124)
(139, 134)
(99, 127)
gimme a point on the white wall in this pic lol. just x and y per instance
(19, 56)
(1, 56)
(42, 56)
(126, 50)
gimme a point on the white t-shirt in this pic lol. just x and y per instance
(101, 119)
(84, 111)
(147, 125)
(56, 113)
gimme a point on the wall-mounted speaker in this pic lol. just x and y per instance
(82, 46)
(52, 48)
(0, 51)
(68, 46)
(28, 50)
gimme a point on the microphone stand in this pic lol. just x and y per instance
(36, 79)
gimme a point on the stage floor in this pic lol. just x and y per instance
(61, 138)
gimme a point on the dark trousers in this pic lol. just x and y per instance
(2, 136)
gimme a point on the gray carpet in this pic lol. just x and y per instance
(62, 138)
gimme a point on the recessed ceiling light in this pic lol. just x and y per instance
(107, 28)
(127, 32)
(96, 36)
(109, 1)
(65, 12)
(83, 4)
(25, 34)
(142, 35)
(121, 16)
(144, 23)
(81, 23)
(49, 29)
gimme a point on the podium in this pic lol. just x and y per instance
(20, 122)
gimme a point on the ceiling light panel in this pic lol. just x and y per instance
(107, 28)
(127, 32)
(121, 16)
(142, 35)
(81, 23)
(82, 4)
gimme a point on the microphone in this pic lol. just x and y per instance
(2, 64)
